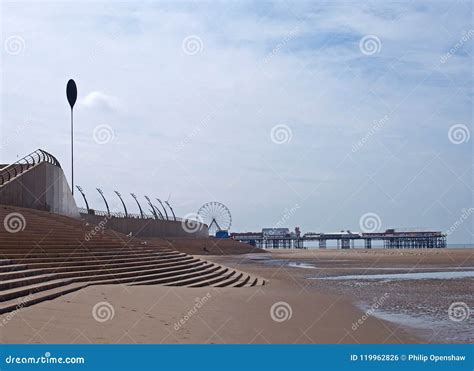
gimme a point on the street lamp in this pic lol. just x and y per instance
(71, 93)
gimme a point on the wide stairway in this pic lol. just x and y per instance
(44, 255)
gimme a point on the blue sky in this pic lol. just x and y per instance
(189, 94)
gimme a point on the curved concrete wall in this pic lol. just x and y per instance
(145, 227)
(43, 187)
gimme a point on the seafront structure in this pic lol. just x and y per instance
(50, 247)
(281, 238)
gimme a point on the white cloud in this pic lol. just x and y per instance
(99, 100)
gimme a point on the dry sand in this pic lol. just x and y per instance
(321, 311)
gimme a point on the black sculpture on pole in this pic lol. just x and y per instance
(174, 216)
(71, 93)
(103, 197)
(79, 188)
(123, 203)
(138, 203)
(164, 208)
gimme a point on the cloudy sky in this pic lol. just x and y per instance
(323, 115)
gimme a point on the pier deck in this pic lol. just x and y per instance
(390, 239)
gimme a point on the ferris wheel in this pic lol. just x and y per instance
(216, 215)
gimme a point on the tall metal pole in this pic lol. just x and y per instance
(72, 150)
(153, 211)
(174, 216)
(123, 203)
(138, 203)
(105, 201)
(164, 208)
(71, 93)
(79, 188)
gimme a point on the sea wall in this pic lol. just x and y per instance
(43, 187)
(147, 227)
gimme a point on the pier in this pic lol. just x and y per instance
(281, 238)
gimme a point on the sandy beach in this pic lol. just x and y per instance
(298, 304)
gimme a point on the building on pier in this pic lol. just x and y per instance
(282, 238)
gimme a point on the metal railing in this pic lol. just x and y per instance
(39, 156)
(119, 214)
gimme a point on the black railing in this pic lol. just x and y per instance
(118, 214)
(39, 156)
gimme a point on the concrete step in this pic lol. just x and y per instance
(38, 297)
(199, 277)
(229, 281)
(83, 253)
(90, 258)
(26, 290)
(85, 263)
(101, 278)
(98, 274)
(12, 268)
(19, 274)
(212, 281)
(210, 267)
(243, 282)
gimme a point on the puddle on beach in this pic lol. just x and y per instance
(430, 327)
(301, 265)
(452, 271)
(403, 276)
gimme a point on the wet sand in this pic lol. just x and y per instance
(290, 308)
(412, 289)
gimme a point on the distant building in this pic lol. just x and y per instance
(275, 232)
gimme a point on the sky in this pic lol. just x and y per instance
(324, 115)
